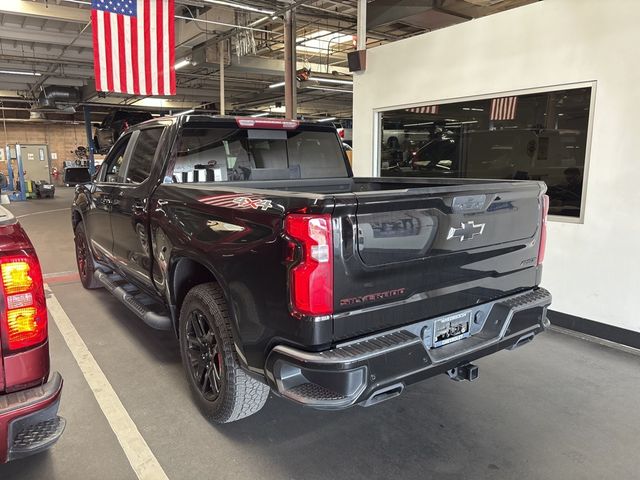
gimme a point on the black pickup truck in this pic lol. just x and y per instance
(278, 270)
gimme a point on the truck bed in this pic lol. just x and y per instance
(396, 247)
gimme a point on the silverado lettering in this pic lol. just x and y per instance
(372, 297)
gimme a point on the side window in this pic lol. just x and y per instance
(112, 170)
(107, 121)
(143, 153)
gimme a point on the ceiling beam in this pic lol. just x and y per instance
(272, 66)
(40, 10)
(44, 37)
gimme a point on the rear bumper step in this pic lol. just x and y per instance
(378, 367)
(29, 421)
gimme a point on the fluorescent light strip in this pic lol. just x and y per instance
(186, 112)
(15, 72)
(211, 22)
(332, 80)
(182, 63)
(263, 114)
(328, 119)
(330, 89)
(317, 79)
(241, 7)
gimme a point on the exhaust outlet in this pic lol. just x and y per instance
(467, 372)
(523, 340)
(384, 394)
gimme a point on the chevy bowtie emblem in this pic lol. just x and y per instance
(466, 231)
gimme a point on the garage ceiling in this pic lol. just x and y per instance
(46, 47)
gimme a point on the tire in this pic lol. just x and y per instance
(221, 389)
(84, 259)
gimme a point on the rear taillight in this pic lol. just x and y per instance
(24, 317)
(311, 273)
(543, 229)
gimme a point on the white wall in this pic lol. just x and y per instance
(592, 269)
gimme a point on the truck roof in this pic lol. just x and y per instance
(258, 122)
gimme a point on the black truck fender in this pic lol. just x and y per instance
(186, 270)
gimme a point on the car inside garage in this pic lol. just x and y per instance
(317, 238)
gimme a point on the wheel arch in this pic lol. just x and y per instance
(188, 272)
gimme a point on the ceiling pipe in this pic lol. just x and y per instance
(290, 82)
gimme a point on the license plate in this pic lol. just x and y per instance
(47, 187)
(451, 329)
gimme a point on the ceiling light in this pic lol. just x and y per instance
(321, 40)
(16, 72)
(332, 80)
(182, 63)
(330, 89)
(328, 119)
(186, 112)
(241, 7)
(263, 114)
(276, 85)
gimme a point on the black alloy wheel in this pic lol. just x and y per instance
(221, 388)
(205, 355)
(84, 259)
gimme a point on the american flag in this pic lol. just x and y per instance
(433, 109)
(133, 46)
(504, 108)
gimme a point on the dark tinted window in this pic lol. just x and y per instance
(541, 136)
(232, 154)
(142, 155)
(111, 171)
(138, 117)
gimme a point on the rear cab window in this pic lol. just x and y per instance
(212, 153)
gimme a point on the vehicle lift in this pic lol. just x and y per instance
(11, 154)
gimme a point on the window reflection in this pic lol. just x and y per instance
(541, 136)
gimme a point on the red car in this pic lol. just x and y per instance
(29, 398)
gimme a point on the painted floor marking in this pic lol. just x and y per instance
(142, 460)
(46, 211)
(57, 278)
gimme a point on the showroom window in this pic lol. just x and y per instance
(537, 136)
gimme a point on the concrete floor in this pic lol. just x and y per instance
(560, 407)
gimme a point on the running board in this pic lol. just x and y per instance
(151, 318)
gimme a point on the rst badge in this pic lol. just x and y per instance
(466, 231)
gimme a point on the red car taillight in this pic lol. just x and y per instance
(24, 319)
(311, 278)
(543, 229)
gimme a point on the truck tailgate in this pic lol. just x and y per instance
(417, 253)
